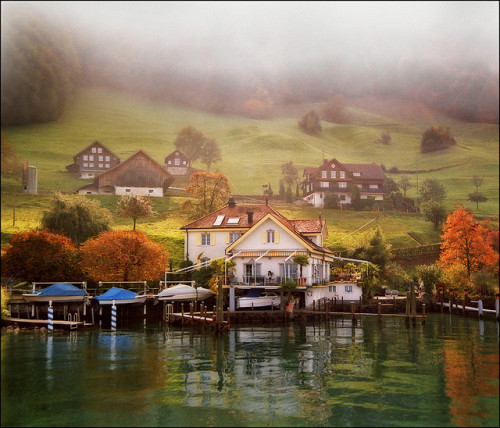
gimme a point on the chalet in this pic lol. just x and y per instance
(177, 163)
(262, 243)
(93, 160)
(336, 177)
(138, 175)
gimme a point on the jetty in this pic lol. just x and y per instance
(33, 321)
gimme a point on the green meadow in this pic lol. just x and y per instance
(252, 153)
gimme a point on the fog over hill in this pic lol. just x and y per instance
(218, 55)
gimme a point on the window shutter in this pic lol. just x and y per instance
(212, 239)
(198, 239)
(264, 237)
(227, 238)
(277, 237)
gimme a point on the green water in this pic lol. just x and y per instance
(330, 373)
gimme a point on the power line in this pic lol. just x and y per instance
(354, 231)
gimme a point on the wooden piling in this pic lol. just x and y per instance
(423, 313)
(441, 298)
(379, 311)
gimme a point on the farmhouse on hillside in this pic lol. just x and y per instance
(177, 163)
(138, 175)
(263, 243)
(93, 160)
(335, 177)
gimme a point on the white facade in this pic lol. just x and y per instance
(141, 191)
(349, 292)
(317, 199)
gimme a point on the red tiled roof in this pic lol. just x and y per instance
(367, 170)
(308, 226)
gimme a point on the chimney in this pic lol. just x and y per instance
(250, 217)
(267, 199)
(231, 203)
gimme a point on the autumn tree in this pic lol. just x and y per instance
(334, 111)
(190, 141)
(135, 207)
(124, 256)
(436, 138)
(11, 166)
(210, 152)
(211, 189)
(310, 123)
(466, 242)
(41, 256)
(477, 196)
(259, 105)
(77, 217)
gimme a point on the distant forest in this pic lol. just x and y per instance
(44, 61)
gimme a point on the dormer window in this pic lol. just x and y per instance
(356, 174)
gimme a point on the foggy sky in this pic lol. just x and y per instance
(272, 35)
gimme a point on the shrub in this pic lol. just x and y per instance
(432, 275)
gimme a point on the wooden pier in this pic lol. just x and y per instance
(30, 321)
(203, 318)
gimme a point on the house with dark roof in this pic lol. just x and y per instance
(93, 160)
(336, 177)
(261, 242)
(138, 175)
(177, 163)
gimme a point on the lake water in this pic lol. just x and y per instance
(331, 373)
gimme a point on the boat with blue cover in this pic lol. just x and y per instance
(59, 292)
(120, 296)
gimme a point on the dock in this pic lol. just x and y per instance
(32, 321)
(206, 318)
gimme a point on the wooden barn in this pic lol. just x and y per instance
(93, 160)
(177, 163)
(138, 175)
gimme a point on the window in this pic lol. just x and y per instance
(101, 158)
(332, 288)
(99, 150)
(107, 165)
(324, 184)
(170, 162)
(107, 159)
(360, 186)
(270, 236)
(85, 164)
(356, 174)
(91, 157)
(333, 174)
(288, 269)
(342, 174)
(183, 162)
(324, 174)
(219, 219)
(93, 149)
(205, 239)
(177, 161)
(233, 220)
(373, 186)
(233, 236)
(85, 158)
(348, 288)
(91, 165)
(127, 190)
(101, 165)
(342, 184)
(151, 190)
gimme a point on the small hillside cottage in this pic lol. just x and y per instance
(93, 160)
(263, 243)
(336, 177)
(177, 163)
(138, 175)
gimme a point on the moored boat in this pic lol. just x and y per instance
(184, 293)
(258, 298)
(61, 292)
(120, 296)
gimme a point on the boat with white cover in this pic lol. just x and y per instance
(120, 296)
(258, 298)
(61, 292)
(184, 293)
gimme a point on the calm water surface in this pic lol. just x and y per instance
(325, 374)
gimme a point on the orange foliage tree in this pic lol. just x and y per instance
(41, 256)
(123, 256)
(212, 189)
(466, 242)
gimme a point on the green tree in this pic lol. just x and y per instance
(282, 190)
(331, 201)
(334, 111)
(135, 207)
(289, 195)
(431, 275)
(190, 141)
(76, 217)
(405, 184)
(210, 152)
(269, 190)
(378, 251)
(432, 189)
(310, 123)
(436, 138)
(435, 212)
(289, 173)
(476, 196)
(301, 260)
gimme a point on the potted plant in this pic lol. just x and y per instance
(301, 260)
(287, 287)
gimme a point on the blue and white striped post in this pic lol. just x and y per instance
(113, 317)
(51, 318)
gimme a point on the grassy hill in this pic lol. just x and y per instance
(253, 151)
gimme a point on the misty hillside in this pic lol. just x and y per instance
(46, 57)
